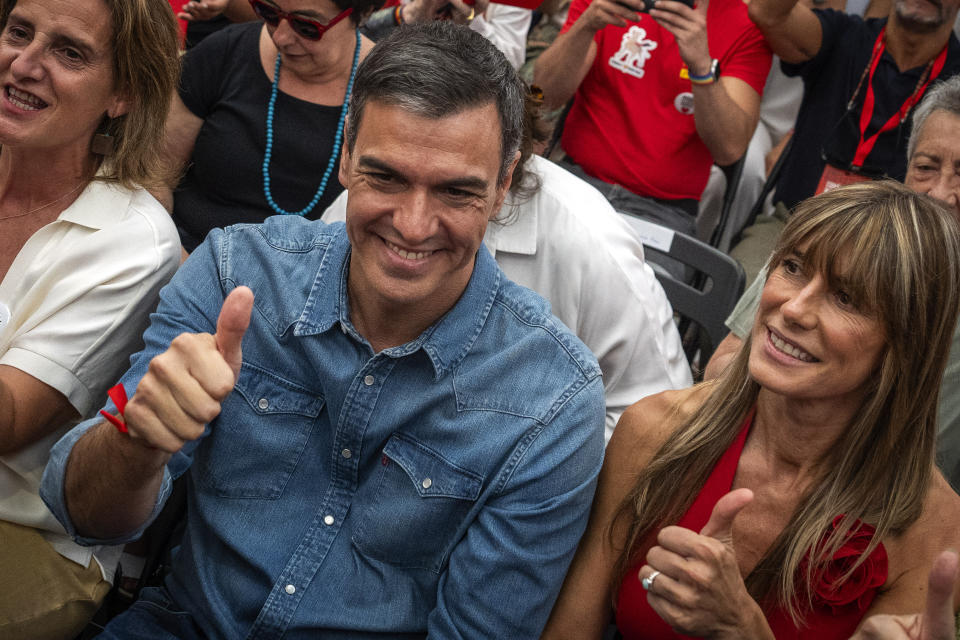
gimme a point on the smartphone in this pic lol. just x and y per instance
(648, 4)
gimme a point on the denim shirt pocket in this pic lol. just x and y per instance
(420, 503)
(258, 439)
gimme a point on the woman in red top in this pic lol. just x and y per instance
(797, 493)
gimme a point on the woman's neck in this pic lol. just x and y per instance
(32, 178)
(797, 435)
(325, 85)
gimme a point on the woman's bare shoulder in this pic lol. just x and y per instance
(937, 529)
(911, 554)
(646, 425)
(939, 524)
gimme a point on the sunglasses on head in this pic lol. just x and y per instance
(303, 27)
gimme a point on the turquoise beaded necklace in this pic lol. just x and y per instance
(336, 140)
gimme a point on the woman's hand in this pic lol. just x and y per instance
(203, 9)
(937, 622)
(699, 590)
(463, 13)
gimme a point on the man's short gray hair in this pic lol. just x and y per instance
(943, 96)
(437, 69)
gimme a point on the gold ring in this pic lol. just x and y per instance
(473, 12)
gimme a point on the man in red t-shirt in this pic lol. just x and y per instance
(658, 98)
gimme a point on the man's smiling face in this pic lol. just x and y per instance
(421, 191)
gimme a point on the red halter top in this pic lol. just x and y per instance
(837, 610)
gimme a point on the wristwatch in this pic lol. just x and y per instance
(711, 77)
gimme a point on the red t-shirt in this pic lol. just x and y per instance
(632, 117)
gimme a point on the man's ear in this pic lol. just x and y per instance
(504, 187)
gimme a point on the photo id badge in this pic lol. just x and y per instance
(834, 177)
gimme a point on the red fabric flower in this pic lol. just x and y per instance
(857, 592)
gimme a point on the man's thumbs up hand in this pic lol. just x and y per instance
(232, 324)
(184, 385)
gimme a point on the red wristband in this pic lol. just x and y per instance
(119, 396)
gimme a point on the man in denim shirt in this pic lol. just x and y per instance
(407, 444)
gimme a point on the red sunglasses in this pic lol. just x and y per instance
(303, 27)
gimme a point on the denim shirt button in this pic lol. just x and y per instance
(263, 403)
(368, 380)
(427, 483)
(290, 589)
(328, 520)
(346, 453)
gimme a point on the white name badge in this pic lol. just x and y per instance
(4, 316)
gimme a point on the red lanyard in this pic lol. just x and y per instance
(865, 146)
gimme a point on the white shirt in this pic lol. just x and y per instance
(506, 27)
(569, 245)
(77, 298)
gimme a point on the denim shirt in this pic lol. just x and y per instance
(435, 488)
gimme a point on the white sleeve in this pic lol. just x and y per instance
(81, 316)
(628, 323)
(506, 27)
(589, 265)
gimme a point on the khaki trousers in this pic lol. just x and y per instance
(44, 596)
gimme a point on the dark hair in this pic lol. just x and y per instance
(146, 65)
(437, 69)
(361, 8)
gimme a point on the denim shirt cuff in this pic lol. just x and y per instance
(52, 489)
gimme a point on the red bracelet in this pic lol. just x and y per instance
(119, 396)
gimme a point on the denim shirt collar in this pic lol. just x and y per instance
(446, 342)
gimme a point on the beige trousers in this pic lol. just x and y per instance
(44, 596)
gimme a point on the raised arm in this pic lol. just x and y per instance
(562, 67)
(174, 401)
(792, 29)
(234, 10)
(725, 112)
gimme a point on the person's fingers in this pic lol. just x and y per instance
(677, 8)
(938, 617)
(194, 403)
(232, 324)
(888, 627)
(195, 355)
(720, 524)
(666, 587)
(667, 561)
(144, 422)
